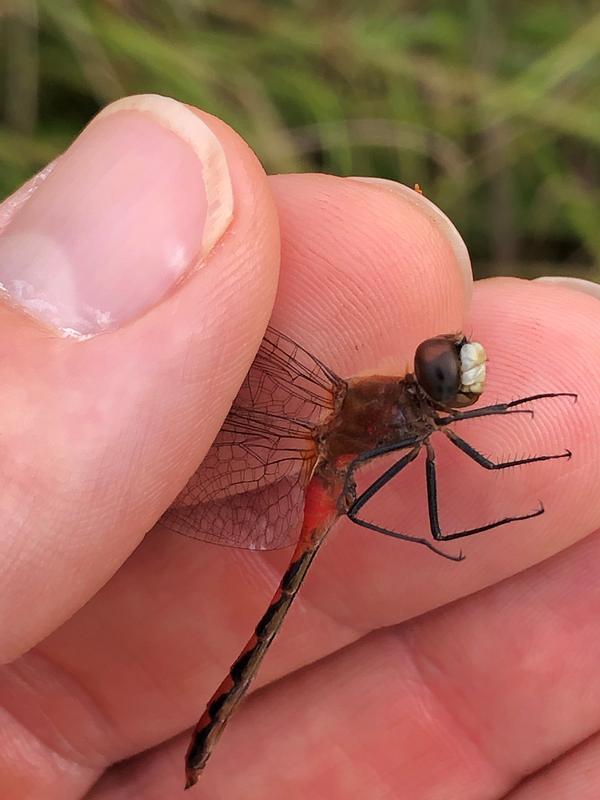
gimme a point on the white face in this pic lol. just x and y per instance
(472, 368)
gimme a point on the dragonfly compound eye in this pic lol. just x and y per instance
(450, 370)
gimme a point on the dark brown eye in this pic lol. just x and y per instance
(437, 368)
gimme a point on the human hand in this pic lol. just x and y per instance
(97, 437)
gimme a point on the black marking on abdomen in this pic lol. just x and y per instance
(239, 666)
(243, 669)
(196, 755)
(261, 629)
(287, 582)
(217, 705)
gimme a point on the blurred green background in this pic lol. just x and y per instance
(492, 107)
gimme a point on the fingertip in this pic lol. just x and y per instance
(367, 274)
(428, 208)
(572, 284)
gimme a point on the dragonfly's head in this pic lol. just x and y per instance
(451, 370)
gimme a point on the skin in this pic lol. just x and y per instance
(397, 674)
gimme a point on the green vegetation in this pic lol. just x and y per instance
(493, 107)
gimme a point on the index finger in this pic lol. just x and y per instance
(370, 269)
(373, 291)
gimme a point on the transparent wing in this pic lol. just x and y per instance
(249, 490)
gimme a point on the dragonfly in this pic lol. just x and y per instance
(283, 469)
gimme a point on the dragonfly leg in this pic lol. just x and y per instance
(362, 458)
(487, 463)
(372, 490)
(433, 505)
(501, 408)
(385, 449)
(386, 477)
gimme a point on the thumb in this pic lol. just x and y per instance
(139, 270)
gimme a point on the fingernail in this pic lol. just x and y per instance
(138, 200)
(437, 217)
(575, 284)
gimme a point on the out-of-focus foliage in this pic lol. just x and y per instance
(493, 107)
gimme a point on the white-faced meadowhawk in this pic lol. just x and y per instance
(282, 471)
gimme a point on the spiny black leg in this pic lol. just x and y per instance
(373, 489)
(407, 538)
(487, 413)
(500, 408)
(433, 509)
(381, 481)
(486, 463)
(360, 460)
(384, 450)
